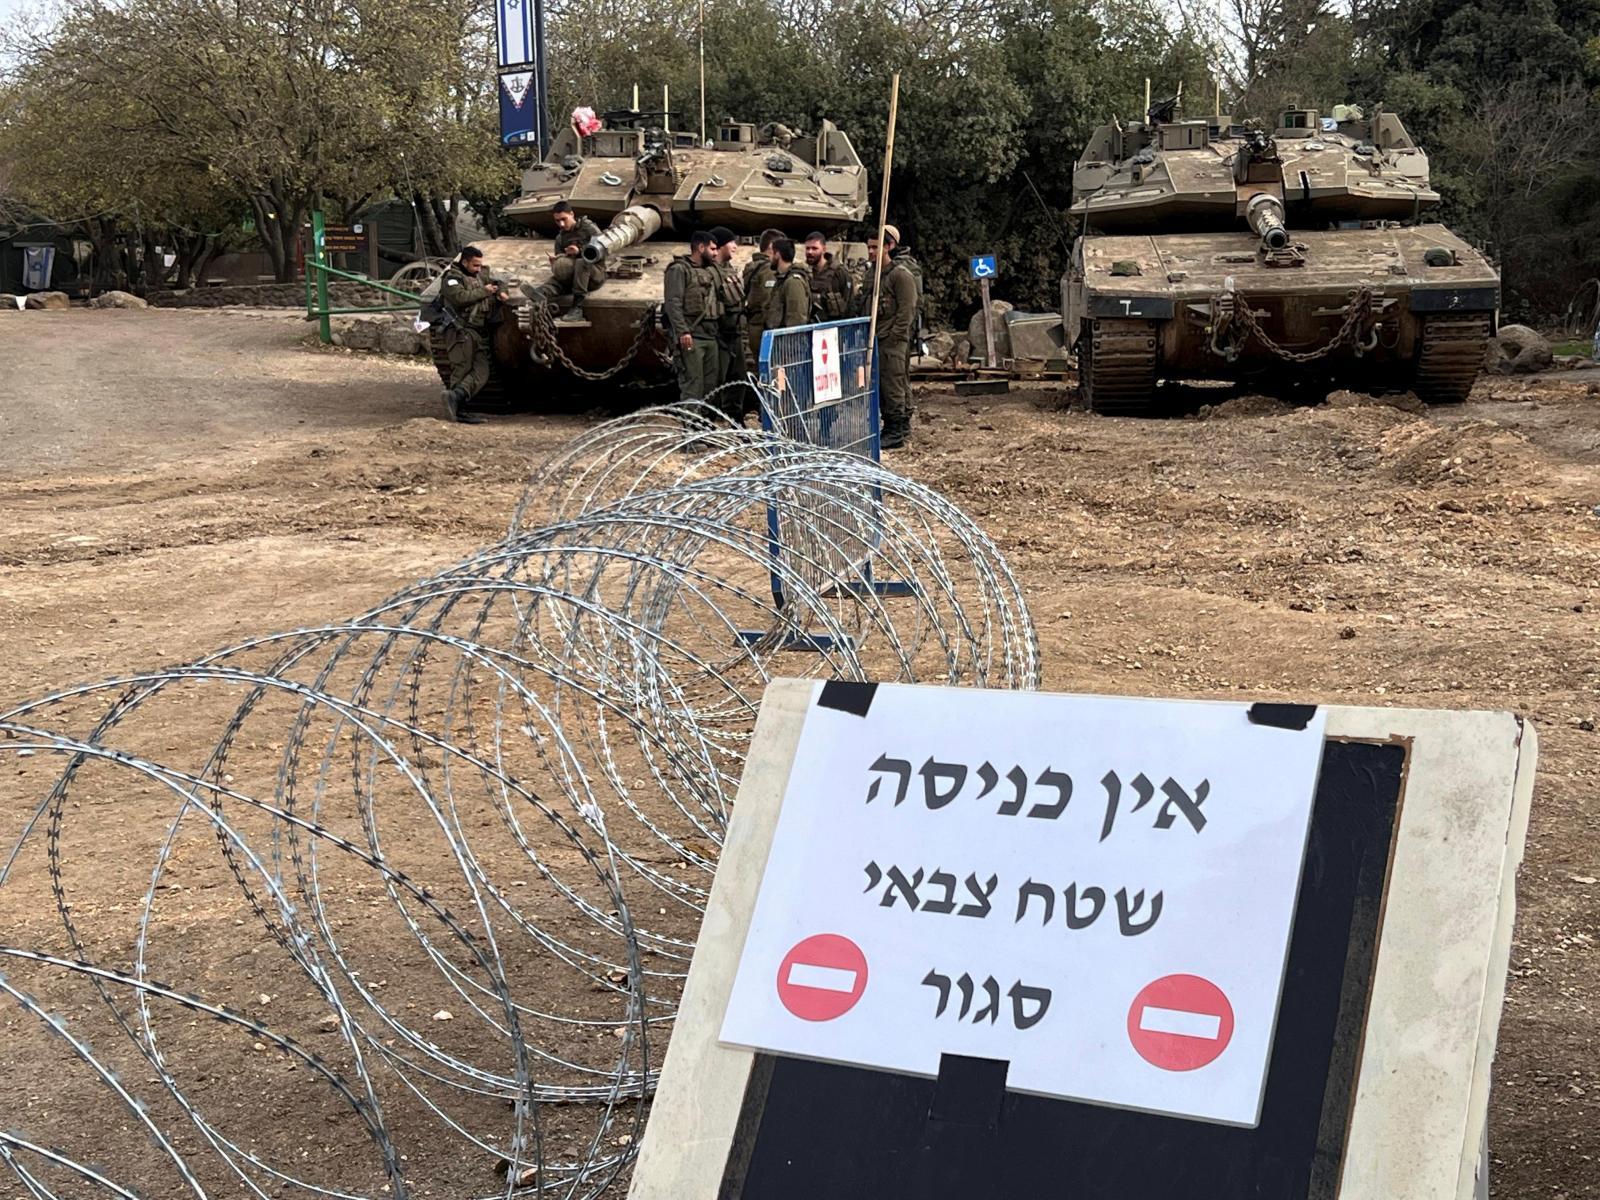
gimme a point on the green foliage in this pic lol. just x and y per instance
(183, 111)
(185, 115)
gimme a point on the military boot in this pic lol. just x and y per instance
(573, 315)
(454, 398)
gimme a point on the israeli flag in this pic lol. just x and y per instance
(514, 22)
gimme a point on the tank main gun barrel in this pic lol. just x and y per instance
(630, 227)
(1265, 216)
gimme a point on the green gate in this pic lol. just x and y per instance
(318, 268)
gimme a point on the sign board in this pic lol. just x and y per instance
(519, 107)
(984, 266)
(1097, 890)
(827, 372)
(344, 239)
(1378, 1081)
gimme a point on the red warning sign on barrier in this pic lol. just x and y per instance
(822, 977)
(1180, 1022)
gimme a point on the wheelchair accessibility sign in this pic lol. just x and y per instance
(985, 267)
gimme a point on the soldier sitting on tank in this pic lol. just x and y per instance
(459, 319)
(790, 301)
(692, 301)
(830, 281)
(569, 272)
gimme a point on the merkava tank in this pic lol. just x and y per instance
(1215, 250)
(648, 187)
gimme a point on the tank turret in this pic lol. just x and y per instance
(1215, 249)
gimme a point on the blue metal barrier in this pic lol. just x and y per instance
(820, 386)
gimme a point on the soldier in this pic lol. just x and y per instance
(692, 298)
(730, 326)
(790, 302)
(897, 315)
(903, 256)
(460, 317)
(569, 272)
(758, 283)
(830, 281)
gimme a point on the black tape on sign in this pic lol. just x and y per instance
(1282, 716)
(969, 1091)
(846, 696)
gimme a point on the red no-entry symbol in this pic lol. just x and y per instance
(822, 977)
(1180, 1022)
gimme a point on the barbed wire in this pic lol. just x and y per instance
(463, 840)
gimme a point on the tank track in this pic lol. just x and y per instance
(1117, 366)
(495, 396)
(1451, 357)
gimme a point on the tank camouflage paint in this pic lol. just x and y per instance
(1215, 250)
(648, 187)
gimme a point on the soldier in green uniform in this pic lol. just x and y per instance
(831, 285)
(902, 255)
(459, 318)
(692, 299)
(790, 302)
(730, 326)
(569, 273)
(897, 315)
(758, 284)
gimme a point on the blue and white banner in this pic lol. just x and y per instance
(514, 22)
(519, 108)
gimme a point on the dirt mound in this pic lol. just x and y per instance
(1476, 454)
(1403, 401)
(1244, 406)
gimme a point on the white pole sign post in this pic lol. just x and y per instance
(827, 378)
(1099, 891)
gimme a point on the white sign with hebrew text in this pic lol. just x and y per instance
(1099, 891)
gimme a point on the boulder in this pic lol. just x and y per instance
(364, 335)
(8, 302)
(115, 299)
(977, 335)
(1518, 350)
(961, 354)
(1036, 337)
(399, 339)
(52, 300)
(942, 346)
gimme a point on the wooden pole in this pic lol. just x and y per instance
(883, 219)
(989, 356)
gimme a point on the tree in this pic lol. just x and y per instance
(276, 104)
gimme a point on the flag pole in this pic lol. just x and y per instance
(702, 72)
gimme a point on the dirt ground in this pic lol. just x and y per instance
(173, 481)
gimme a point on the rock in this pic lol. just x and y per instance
(364, 335)
(961, 354)
(942, 346)
(977, 334)
(399, 339)
(9, 302)
(114, 299)
(1036, 337)
(52, 300)
(1518, 350)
